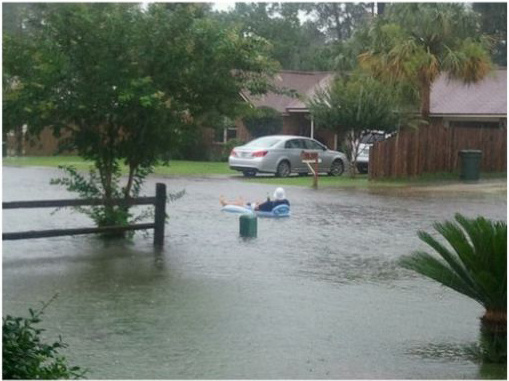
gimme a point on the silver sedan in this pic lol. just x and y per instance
(282, 155)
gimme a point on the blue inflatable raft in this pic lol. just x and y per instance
(278, 212)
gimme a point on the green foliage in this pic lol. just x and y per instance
(228, 146)
(92, 187)
(356, 103)
(416, 42)
(263, 121)
(127, 84)
(339, 20)
(192, 145)
(26, 356)
(493, 22)
(493, 346)
(297, 44)
(108, 215)
(477, 264)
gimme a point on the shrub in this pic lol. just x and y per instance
(263, 121)
(93, 187)
(25, 356)
(228, 146)
(474, 264)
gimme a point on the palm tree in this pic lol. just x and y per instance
(417, 42)
(476, 267)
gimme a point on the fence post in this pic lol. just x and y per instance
(160, 214)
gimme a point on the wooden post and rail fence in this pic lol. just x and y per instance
(159, 202)
(435, 148)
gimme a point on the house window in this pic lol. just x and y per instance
(222, 135)
(231, 133)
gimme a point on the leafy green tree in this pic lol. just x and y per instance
(297, 45)
(263, 121)
(338, 20)
(419, 41)
(125, 83)
(493, 20)
(475, 265)
(356, 103)
(25, 356)
(13, 18)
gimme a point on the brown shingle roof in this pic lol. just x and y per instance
(304, 83)
(487, 97)
(448, 97)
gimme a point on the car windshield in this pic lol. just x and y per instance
(371, 138)
(265, 142)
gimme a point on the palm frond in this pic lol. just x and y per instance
(474, 265)
(431, 267)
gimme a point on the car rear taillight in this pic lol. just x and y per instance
(233, 153)
(259, 153)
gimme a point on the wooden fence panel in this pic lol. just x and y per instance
(159, 202)
(435, 148)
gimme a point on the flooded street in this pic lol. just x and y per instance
(315, 296)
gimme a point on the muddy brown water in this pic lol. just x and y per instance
(314, 296)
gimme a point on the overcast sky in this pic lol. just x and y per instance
(223, 5)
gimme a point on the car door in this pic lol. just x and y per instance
(293, 149)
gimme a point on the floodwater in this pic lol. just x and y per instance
(314, 296)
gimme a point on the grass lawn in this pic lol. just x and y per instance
(198, 168)
(176, 167)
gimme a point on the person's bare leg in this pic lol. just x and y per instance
(239, 201)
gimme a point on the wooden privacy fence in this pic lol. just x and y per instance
(435, 148)
(159, 202)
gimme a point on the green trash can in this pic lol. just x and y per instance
(248, 225)
(470, 164)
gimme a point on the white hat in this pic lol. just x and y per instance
(279, 194)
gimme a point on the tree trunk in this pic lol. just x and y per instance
(495, 321)
(494, 336)
(352, 150)
(336, 12)
(18, 133)
(425, 90)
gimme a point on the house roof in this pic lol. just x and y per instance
(448, 97)
(305, 83)
(487, 97)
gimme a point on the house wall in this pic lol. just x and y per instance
(242, 132)
(45, 144)
(293, 124)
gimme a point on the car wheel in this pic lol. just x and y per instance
(337, 168)
(250, 173)
(283, 169)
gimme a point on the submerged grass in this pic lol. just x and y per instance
(200, 168)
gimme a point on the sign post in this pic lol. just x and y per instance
(312, 158)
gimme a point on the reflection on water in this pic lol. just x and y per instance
(315, 296)
(446, 351)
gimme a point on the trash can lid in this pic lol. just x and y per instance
(467, 151)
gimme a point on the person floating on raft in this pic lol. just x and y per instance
(267, 206)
